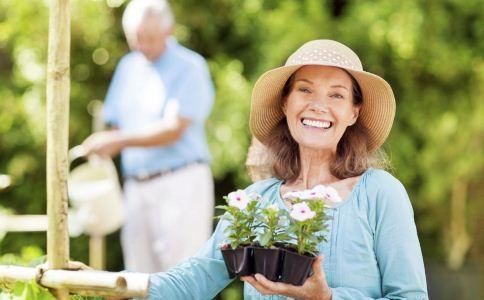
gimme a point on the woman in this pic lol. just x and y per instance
(324, 118)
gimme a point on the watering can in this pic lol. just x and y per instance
(94, 194)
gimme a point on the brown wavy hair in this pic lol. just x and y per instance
(352, 155)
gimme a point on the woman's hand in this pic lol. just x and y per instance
(314, 288)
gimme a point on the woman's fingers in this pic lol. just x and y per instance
(315, 285)
(267, 287)
(252, 281)
(317, 269)
(277, 287)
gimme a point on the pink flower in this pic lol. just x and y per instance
(331, 195)
(224, 246)
(291, 195)
(316, 192)
(301, 212)
(238, 199)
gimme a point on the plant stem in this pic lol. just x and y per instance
(300, 242)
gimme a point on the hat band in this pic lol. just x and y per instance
(320, 56)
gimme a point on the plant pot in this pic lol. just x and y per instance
(239, 262)
(268, 262)
(296, 268)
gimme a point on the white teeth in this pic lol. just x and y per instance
(318, 124)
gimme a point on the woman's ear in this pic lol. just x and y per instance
(284, 106)
(356, 113)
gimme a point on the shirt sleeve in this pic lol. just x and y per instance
(396, 244)
(195, 94)
(204, 275)
(200, 277)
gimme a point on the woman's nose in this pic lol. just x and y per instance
(319, 106)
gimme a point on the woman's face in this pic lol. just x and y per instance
(320, 106)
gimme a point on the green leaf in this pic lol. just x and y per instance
(265, 238)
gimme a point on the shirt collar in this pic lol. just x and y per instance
(171, 44)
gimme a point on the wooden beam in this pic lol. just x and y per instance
(84, 282)
(24, 223)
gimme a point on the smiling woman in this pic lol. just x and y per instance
(329, 100)
(323, 119)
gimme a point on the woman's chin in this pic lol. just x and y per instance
(316, 145)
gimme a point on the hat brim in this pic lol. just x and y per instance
(376, 114)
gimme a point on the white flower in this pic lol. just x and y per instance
(291, 195)
(302, 212)
(331, 194)
(320, 189)
(316, 192)
(273, 207)
(254, 196)
(238, 199)
(306, 195)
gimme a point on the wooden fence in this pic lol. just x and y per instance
(57, 277)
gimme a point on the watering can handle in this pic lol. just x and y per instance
(79, 152)
(76, 152)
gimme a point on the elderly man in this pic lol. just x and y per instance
(157, 104)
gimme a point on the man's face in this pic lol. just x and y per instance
(151, 38)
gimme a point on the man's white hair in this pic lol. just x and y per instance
(138, 10)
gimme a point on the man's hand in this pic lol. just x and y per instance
(314, 288)
(104, 143)
(71, 266)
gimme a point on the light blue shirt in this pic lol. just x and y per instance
(141, 93)
(372, 251)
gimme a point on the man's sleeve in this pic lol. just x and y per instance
(195, 94)
(110, 110)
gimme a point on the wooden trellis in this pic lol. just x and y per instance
(60, 280)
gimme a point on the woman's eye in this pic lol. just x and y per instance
(304, 90)
(337, 96)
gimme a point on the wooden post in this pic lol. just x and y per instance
(58, 89)
(97, 244)
(459, 239)
(97, 253)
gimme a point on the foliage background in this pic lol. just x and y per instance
(429, 51)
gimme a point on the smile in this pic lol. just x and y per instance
(316, 123)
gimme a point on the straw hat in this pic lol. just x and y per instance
(378, 108)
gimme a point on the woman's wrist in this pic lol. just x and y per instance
(329, 295)
(324, 296)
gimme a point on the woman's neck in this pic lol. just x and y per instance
(315, 168)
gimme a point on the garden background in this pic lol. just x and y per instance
(429, 51)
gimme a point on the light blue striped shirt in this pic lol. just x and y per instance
(141, 93)
(372, 251)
